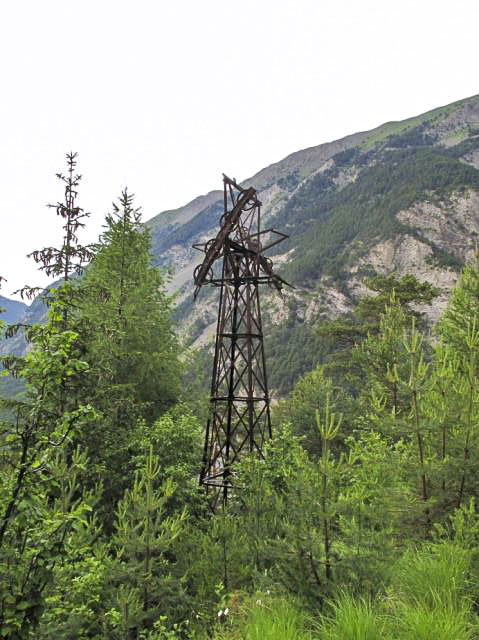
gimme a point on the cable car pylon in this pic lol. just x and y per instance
(239, 418)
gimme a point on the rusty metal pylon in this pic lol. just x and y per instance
(239, 419)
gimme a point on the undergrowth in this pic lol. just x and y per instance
(429, 595)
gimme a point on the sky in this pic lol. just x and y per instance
(163, 97)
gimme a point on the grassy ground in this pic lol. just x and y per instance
(429, 596)
(395, 128)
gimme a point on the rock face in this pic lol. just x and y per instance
(452, 224)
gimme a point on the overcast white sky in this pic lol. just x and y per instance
(165, 96)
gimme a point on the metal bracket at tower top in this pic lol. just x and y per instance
(239, 421)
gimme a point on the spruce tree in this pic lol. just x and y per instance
(41, 489)
(130, 346)
(143, 541)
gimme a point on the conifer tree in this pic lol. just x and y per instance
(143, 541)
(41, 491)
(130, 345)
(381, 359)
(71, 257)
(352, 329)
(459, 331)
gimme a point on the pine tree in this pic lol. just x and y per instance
(352, 329)
(310, 394)
(130, 346)
(41, 489)
(144, 540)
(459, 331)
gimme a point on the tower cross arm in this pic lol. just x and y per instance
(229, 222)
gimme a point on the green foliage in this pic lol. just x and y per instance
(309, 395)
(74, 600)
(368, 344)
(365, 508)
(98, 590)
(177, 440)
(376, 509)
(439, 624)
(459, 330)
(427, 599)
(464, 147)
(290, 182)
(143, 540)
(293, 349)
(428, 594)
(349, 329)
(435, 575)
(101, 347)
(41, 474)
(46, 509)
(408, 291)
(129, 344)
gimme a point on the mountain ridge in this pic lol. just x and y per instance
(400, 198)
(258, 179)
(352, 207)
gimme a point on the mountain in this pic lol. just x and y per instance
(35, 313)
(12, 310)
(401, 198)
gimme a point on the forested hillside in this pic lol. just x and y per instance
(402, 198)
(361, 520)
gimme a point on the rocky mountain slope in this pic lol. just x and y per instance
(401, 198)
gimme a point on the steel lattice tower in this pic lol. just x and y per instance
(239, 418)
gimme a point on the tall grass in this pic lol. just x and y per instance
(353, 619)
(282, 621)
(358, 619)
(267, 619)
(430, 594)
(420, 622)
(429, 597)
(435, 576)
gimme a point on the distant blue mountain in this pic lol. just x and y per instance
(13, 310)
